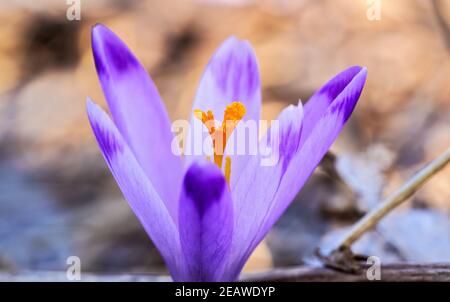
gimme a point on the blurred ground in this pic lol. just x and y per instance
(57, 198)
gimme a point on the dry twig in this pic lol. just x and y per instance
(341, 257)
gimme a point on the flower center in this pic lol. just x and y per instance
(232, 115)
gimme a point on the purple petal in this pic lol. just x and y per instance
(255, 188)
(318, 104)
(137, 189)
(138, 113)
(322, 136)
(206, 223)
(231, 75)
(272, 201)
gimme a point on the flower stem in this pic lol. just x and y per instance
(395, 199)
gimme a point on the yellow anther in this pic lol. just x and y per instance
(232, 115)
(227, 171)
(199, 114)
(207, 118)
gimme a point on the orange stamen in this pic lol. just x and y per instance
(232, 116)
(227, 171)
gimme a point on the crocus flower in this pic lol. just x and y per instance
(206, 217)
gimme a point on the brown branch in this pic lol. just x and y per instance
(392, 201)
(394, 272)
(389, 273)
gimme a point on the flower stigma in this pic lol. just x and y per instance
(232, 115)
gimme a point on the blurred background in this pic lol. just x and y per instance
(58, 199)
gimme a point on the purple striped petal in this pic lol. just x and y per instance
(291, 179)
(255, 188)
(137, 189)
(206, 223)
(318, 104)
(322, 136)
(231, 75)
(138, 113)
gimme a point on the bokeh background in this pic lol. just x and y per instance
(58, 199)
